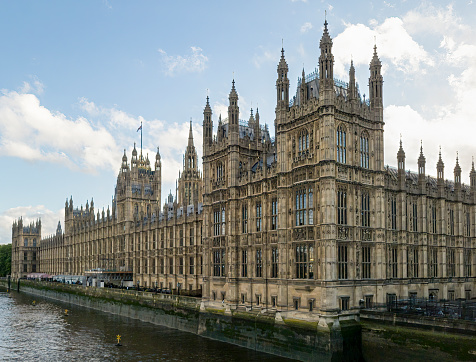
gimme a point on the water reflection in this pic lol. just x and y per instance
(41, 331)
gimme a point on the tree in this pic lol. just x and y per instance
(5, 260)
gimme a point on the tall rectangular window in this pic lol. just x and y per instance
(467, 228)
(171, 265)
(393, 262)
(274, 214)
(341, 144)
(366, 262)
(433, 218)
(244, 219)
(244, 263)
(393, 212)
(433, 263)
(365, 209)
(311, 206)
(342, 261)
(181, 236)
(450, 262)
(192, 265)
(467, 262)
(219, 262)
(301, 201)
(161, 265)
(216, 222)
(223, 220)
(341, 207)
(415, 216)
(258, 216)
(181, 265)
(259, 263)
(364, 150)
(412, 262)
(192, 236)
(274, 262)
(451, 221)
(304, 261)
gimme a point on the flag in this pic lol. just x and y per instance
(138, 129)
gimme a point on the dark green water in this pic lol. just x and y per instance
(41, 332)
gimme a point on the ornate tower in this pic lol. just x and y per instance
(376, 87)
(457, 175)
(401, 166)
(233, 116)
(421, 168)
(326, 65)
(190, 182)
(440, 174)
(207, 127)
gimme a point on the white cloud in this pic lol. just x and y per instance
(174, 64)
(394, 44)
(265, 56)
(49, 220)
(35, 87)
(30, 131)
(306, 27)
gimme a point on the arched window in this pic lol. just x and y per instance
(25, 242)
(364, 150)
(34, 242)
(341, 144)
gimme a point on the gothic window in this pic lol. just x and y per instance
(467, 262)
(244, 219)
(192, 236)
(192, 265)
(433, 264)
(34, 242)
(181, 265)
(415, 216)
(304, 261)
(161, 266)
(393, 212)
(467, 223)
(366, 262)
(223, 220)
(412, 262)
(274, 214)
(342, 207)
(342, 262)
(220, 171)
(304, 207)
(244, 263)
(216, 222)
(341, 144)
(258, 216)
(219, 262)
(364, 150)
(259, 263)
(171, 265)
(25, 256)
(181, 237)
(393, 262)
(303, 143)
(25, 243)
(365, 209)
(433, 217)
(451, 221)
(274, 262)
(450, 262)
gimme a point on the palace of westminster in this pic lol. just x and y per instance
(307, 220)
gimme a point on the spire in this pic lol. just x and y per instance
(375, 59)
(457, 171)
(352, 92)
(472, 176)
(421, 163)
(190, 135)
(326, 62)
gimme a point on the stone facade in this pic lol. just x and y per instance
(309, 219)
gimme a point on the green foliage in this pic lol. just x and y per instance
(5, 260)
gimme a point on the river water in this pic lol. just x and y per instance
(40, 331)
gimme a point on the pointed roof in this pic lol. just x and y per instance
(421, 159)
(440, 161)
(282, 62)
(233, 93)
(375, 59)
(401, 152)
(157, 156)
(326, 38)
(207, 107)
(457, 166)
(473, 171)
(190, 136)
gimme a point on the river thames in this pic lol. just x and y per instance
(40, 331)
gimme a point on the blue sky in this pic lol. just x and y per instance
(77, 78)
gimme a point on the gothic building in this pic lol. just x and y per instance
(309, 219)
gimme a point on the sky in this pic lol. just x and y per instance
(77, 78)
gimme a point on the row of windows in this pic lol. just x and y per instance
(259, 217)
(341, 147)
(259, 263)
